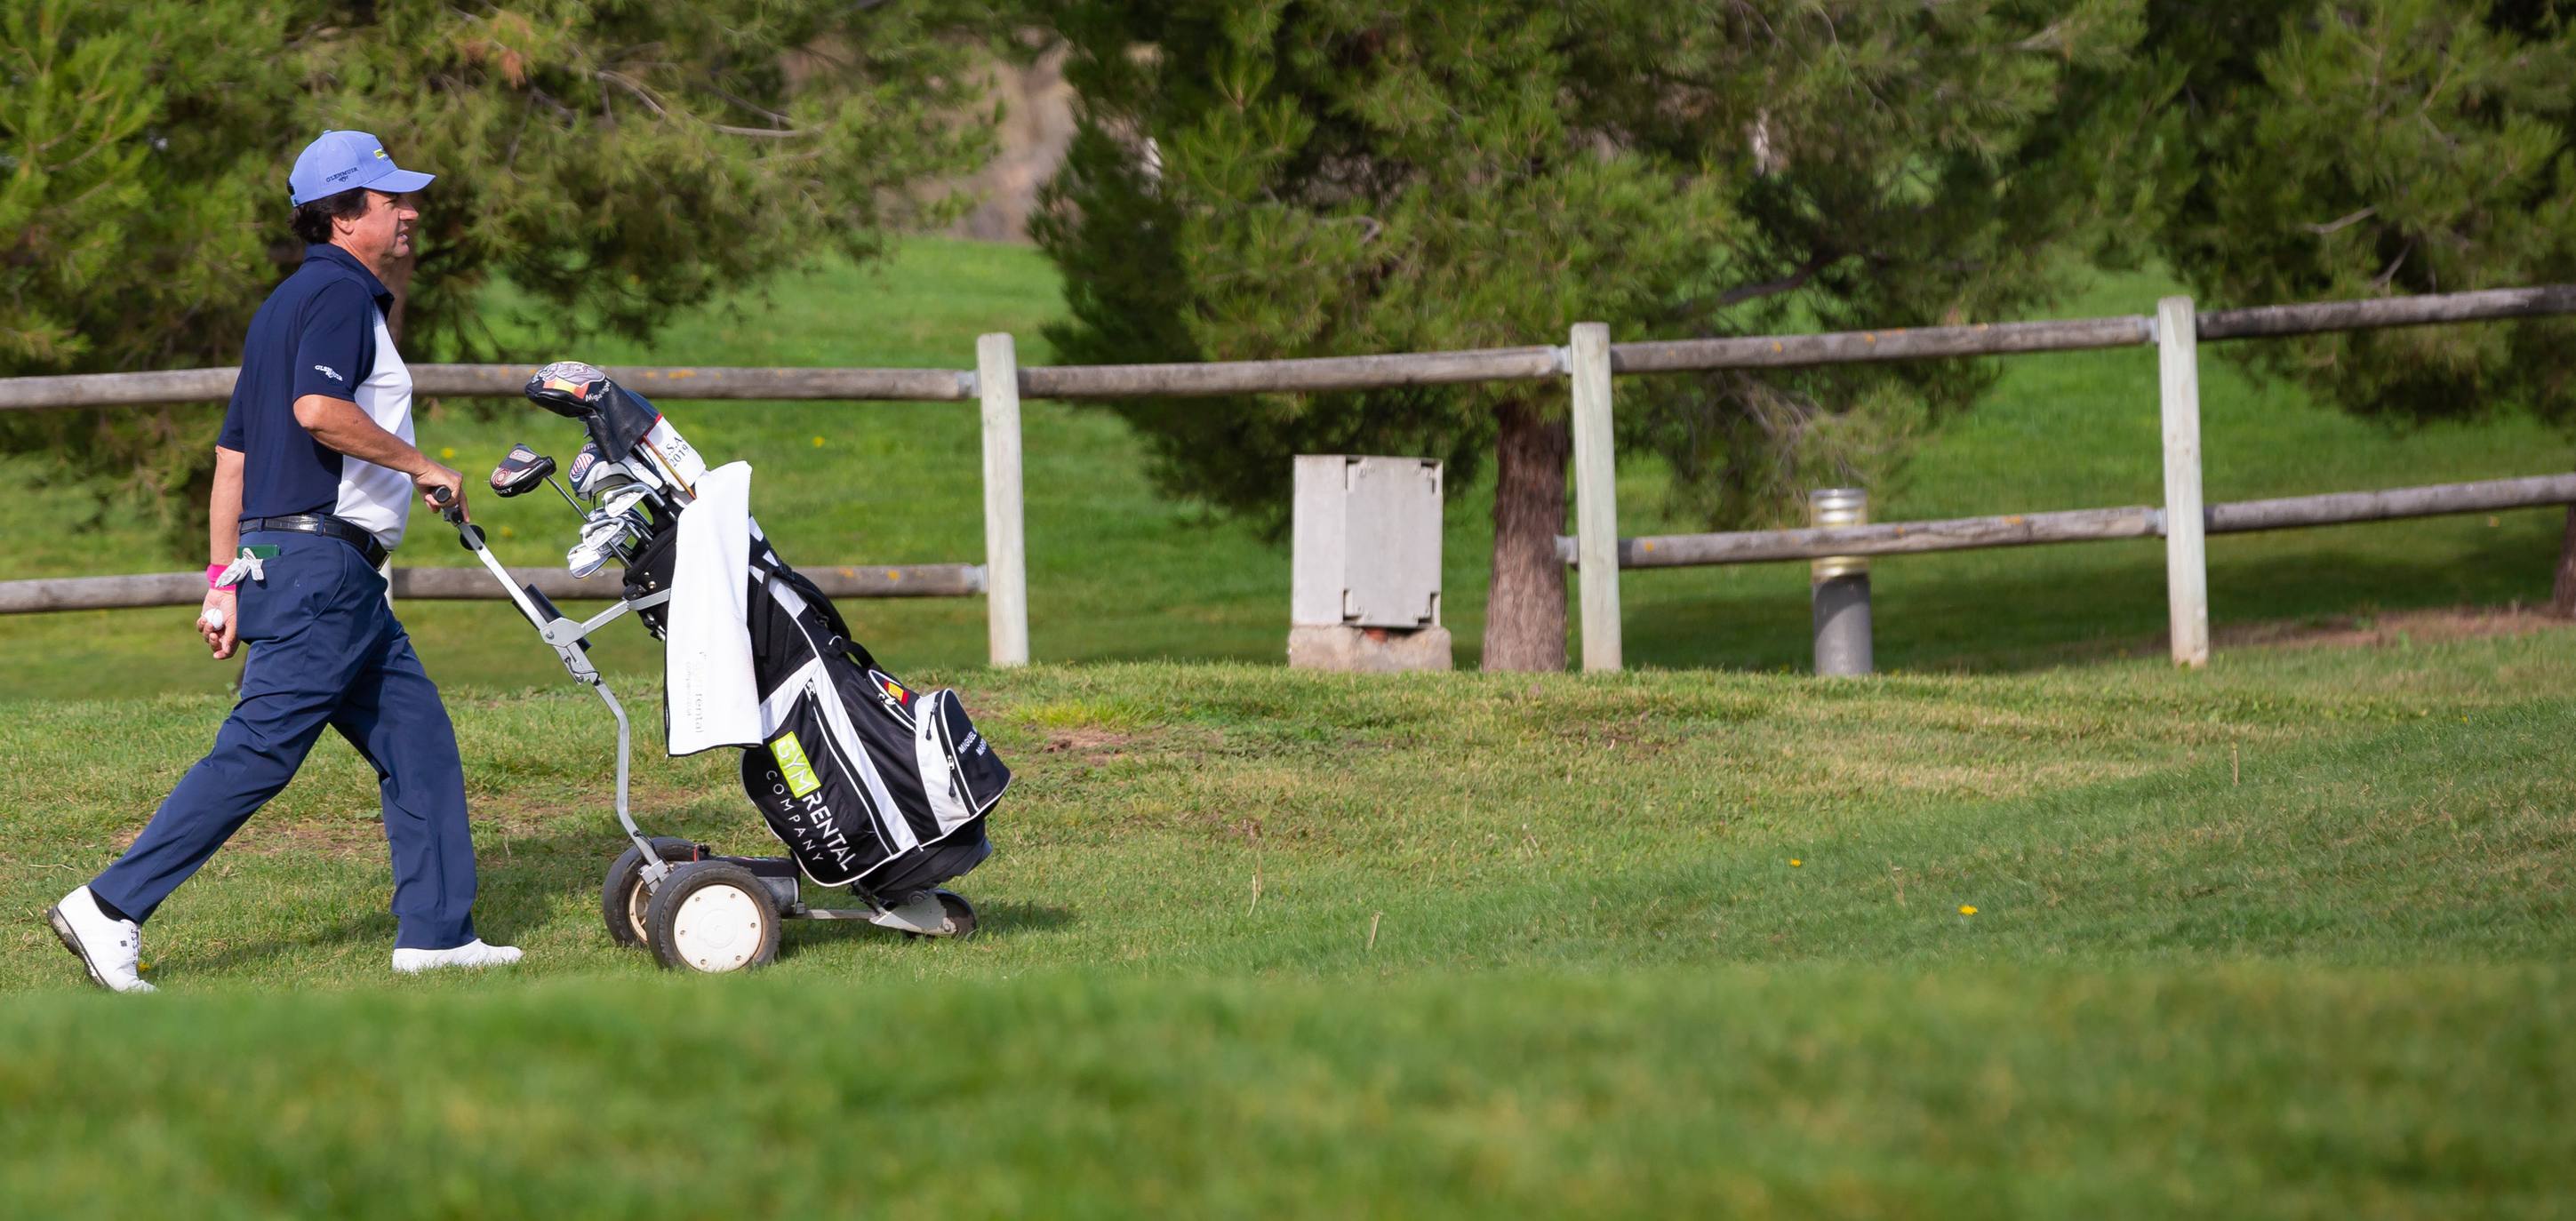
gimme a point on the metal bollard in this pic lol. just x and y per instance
(1838, 587)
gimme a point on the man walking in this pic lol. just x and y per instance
(314, 475)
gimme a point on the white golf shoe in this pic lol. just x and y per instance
(112, 949)
(473, 953)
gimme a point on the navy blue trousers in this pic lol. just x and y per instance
(325, 649)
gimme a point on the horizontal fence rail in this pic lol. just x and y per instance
(1312, 375)
(1859, 347)
(2273, 321)
(1886, 538)
(471, 585)
(2345, 508)
(507, 381)
(1307, 375)
(2081, 525)
(717, 382)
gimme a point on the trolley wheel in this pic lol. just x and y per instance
(960, 922)
(712, 916)
(961, 915)
(623, 899)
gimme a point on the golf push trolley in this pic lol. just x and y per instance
(878, 792)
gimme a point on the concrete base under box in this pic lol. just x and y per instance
(1368, 650)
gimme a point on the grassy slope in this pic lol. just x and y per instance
(2285, 938)
(1118, 574)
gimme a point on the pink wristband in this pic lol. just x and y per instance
(214, 571)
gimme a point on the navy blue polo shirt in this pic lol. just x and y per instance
(318, 333)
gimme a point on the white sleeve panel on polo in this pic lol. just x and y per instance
(375, 497)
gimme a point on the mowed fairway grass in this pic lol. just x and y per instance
(2287, 938)
(2034, 926)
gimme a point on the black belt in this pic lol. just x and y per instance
(326, 525)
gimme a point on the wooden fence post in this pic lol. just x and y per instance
(2186, 540)
(1596, 495)
(1006, 578)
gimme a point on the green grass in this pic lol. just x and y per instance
(2283, 938)
(1119, 574)
(2272, 1093)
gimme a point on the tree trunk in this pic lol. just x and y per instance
(1525, 605)
(398, 282)
(2562, 591)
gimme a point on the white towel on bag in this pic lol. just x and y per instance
(714, 693)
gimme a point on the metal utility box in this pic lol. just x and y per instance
(1366, 550)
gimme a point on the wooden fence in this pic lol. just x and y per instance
(468, 585)
(1590, 362)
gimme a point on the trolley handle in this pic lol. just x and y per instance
(455, 515)
(445, 500)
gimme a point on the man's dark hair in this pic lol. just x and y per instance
(313, 217)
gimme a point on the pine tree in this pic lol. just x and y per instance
(1327, 177)
(2332, 151)
(616, 161)
(2324, 151)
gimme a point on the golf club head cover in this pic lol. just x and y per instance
(594, 476)
(523, 468)
(616, 418)
(569, 388)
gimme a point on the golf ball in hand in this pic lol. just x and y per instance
(213, 618)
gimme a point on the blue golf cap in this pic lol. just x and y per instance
(346, 160)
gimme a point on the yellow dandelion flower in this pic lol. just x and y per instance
(1795, 862)
(1967, 909)
(446, 452)
(818, 442)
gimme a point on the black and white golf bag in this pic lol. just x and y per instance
(870, 783)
